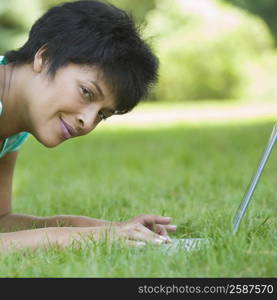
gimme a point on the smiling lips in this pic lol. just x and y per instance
(67, 130)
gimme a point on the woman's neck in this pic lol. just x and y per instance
(9, 89)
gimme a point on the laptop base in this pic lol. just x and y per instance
(192, 244)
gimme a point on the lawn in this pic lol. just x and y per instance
(195, 174)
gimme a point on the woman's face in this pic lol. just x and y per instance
(69, 105)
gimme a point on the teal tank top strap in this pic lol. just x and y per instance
(14, 142)
(3, 61)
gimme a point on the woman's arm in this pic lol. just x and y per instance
(13, 222)
(134, 233)
(7, 164)
(44, 237)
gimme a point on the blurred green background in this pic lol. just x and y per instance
(218, 67)
(209, 49)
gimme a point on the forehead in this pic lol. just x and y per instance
(86, 72)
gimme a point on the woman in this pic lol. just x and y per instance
(83, 62)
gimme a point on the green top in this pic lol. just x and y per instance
(13, 142)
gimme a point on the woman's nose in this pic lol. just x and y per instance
(87, 122)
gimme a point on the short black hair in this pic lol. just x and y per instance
(94, 33)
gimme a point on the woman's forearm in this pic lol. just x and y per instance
(14, 222)
(132, 233)
(75, 221)
(44, 237)
(33, 239)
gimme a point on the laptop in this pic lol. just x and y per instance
(196, 243)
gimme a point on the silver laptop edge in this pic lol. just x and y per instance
(254, 181)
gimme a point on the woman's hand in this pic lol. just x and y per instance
(158, 224)
(132, 233)
(135, 233)
(139, 230)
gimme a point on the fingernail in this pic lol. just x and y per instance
(165, 238)
(172, 226)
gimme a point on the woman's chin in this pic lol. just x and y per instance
(49, 143)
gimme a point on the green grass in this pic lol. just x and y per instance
(196, 175)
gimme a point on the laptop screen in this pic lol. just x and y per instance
(254, 181)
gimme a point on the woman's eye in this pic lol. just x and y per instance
(87, 93)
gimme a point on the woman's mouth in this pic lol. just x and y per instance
(67, 130)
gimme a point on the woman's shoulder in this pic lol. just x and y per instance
(2, 60)
(13, 143)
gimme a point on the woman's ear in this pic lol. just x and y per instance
(39, 60)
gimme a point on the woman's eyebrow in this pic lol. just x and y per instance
(100, 92)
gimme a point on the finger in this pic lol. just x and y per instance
(142, 233)
(161, 233)
(170, 228)
(145, 237)
(164, 229)
(160, 229)
(163, 220)
(155, 219)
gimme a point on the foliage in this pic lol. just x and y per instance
(227, 55)
(202, 52)
(137, 11)
(16, 18)
(267, 10)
